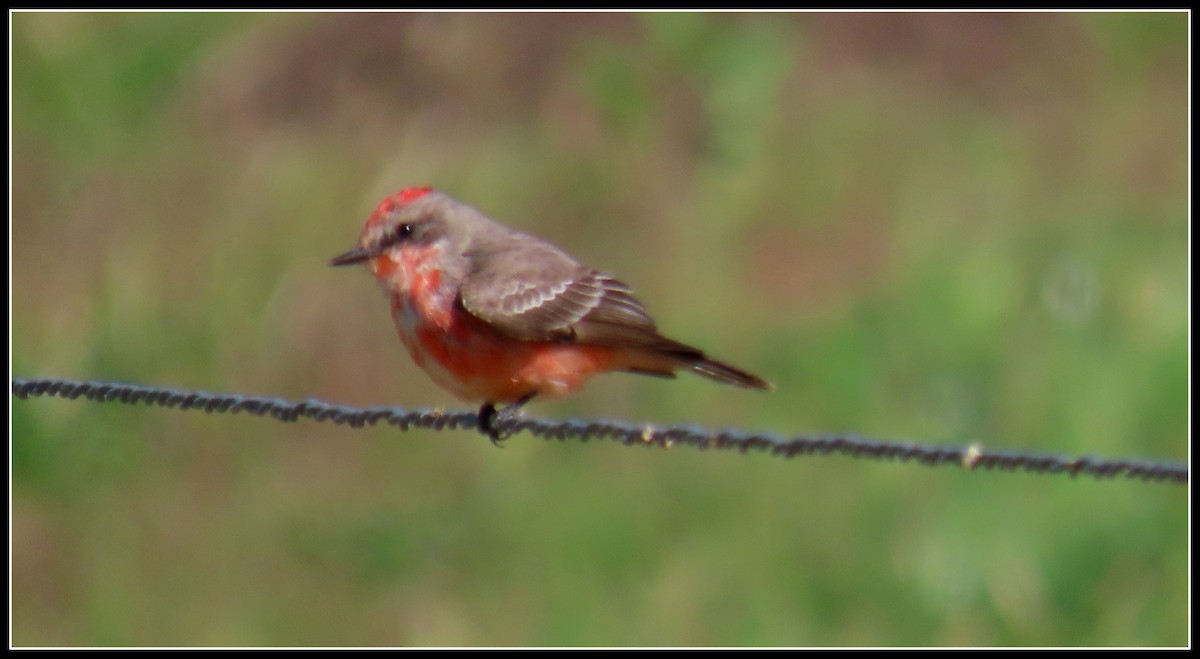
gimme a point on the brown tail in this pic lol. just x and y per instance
(722, 372)
(695, 360)
(664, 356)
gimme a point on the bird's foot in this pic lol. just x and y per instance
(487, 424)
(490, 419)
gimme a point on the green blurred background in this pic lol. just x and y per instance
(939, 227)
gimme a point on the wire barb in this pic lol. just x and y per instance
(971, 458)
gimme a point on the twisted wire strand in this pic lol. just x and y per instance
(968, 457)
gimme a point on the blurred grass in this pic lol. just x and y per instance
(944, 227)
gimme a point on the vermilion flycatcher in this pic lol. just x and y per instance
(500, 316)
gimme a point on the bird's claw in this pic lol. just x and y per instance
(487, 424)
(490, 419)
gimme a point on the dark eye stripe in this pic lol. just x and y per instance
(398, 235)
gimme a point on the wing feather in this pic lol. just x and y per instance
(534, 292)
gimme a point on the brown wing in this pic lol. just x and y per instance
(532, 291)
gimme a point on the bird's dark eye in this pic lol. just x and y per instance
(401, 233)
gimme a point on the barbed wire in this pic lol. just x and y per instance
(968, 457)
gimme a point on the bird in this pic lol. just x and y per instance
(495, 315)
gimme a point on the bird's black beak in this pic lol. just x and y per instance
(356, 255)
